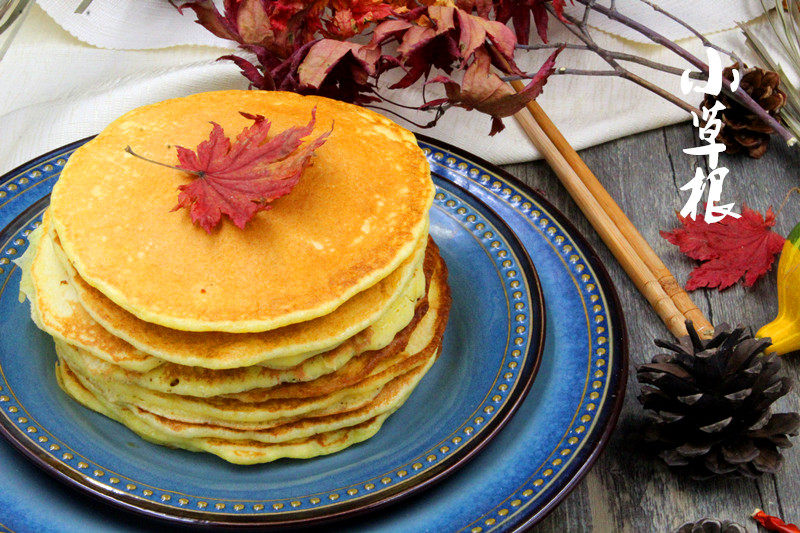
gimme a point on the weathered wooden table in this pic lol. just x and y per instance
(627, 490)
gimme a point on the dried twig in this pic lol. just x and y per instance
(580, 29)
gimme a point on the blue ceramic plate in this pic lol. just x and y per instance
(487, 225)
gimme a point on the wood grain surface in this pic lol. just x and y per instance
(627, 490)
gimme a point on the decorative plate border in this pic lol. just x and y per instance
(607, 361)
(518, 368)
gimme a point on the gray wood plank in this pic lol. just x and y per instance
(628, 490)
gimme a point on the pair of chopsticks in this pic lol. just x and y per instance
(649, 274)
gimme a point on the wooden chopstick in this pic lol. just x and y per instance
(648, 273)
(671, 286)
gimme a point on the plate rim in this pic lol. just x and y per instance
(599, 445)
(209, 519)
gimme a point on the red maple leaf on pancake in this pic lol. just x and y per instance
(240, 179)
(731, 248)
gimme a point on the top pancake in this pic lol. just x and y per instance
(355, 215)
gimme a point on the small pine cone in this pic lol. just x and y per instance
(707, 525)
(742, 130)
(710, 405)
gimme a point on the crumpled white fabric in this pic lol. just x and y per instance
(67, 75)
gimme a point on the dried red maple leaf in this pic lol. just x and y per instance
(520, 12)
(306, 47)
(485, 91)
(240, 179)
(731, 248)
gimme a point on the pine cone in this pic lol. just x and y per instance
(710, 402)
(742, 130)
(707, 525)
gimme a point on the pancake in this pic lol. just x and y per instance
(356, 215)
(238, 452)
(204, 382)
(389, 306)
(392, 396)
(334, 368)
(350, 388)
(347, 389)
(56, 310)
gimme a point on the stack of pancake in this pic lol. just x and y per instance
(294, 337)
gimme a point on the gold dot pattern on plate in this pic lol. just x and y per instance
(183, 501)
(527, 207)
(277, 506)
(369, 486)
(314, 500)
(258, 507)
(147, 492)
(352, 492)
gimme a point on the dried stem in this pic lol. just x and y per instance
(740, 94)
(620, 56)
(439, 112)
(198, 173)
(578, 29)
(703, 38)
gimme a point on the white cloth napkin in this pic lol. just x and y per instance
(67, 75)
